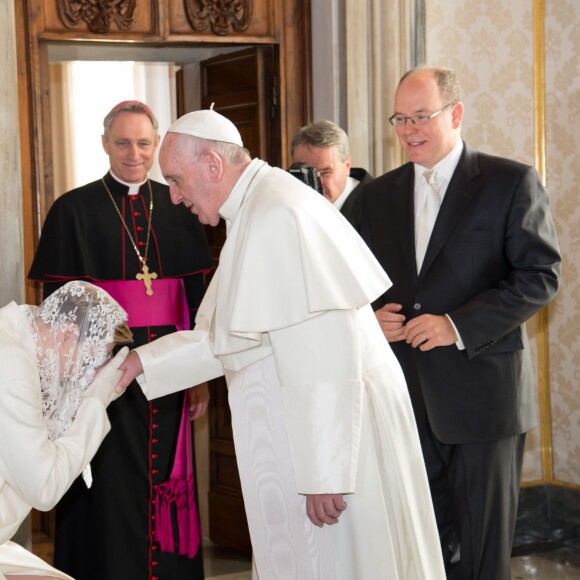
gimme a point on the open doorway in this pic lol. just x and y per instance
(86, 83)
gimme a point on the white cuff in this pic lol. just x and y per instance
(458, 343)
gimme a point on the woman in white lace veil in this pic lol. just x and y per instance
(53, 399)
(74, 334)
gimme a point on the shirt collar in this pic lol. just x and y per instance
(351, 183)
(233, 203)
(445, 167)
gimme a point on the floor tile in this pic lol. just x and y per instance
(560, 564)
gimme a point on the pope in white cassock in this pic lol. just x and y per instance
(331, 468)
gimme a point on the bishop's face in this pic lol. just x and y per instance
(130, 145)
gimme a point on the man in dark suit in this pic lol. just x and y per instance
(324, 146)
(456, 311)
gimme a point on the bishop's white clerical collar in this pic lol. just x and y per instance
(133, 187)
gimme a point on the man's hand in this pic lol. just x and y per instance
(198, 401)
(324, 508)
(391, 323)
(131, 368)
(429, 331)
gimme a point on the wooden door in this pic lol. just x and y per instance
(242, 86)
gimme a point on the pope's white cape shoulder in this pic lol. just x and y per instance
(289, 256)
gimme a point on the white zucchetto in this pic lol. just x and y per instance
(207, 124)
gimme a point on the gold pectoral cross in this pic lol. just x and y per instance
(147, 277)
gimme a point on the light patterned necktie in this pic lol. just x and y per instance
(427, 218)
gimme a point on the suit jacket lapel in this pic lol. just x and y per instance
(460, 192)
(404, 207)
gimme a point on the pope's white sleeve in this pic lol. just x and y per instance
(318, 364)
(178, 361)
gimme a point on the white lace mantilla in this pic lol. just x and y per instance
(73, 332)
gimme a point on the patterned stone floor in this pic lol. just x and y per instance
(558, 564)
(547, 564)
(544, 564)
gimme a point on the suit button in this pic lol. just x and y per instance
(416, 306)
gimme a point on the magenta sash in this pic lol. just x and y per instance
(166, 306)
(175, 507)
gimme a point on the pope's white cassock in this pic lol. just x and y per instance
(318, 401)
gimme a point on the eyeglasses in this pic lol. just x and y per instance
(420, 119)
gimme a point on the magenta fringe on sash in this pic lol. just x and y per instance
(175, 498)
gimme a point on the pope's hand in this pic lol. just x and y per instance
(131, 368)
(103, 387)
(324, 508)
(198, 399)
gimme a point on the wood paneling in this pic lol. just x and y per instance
(123, 19)
(252, 18)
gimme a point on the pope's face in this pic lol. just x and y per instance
(333, 171)
(189, 179)
(130, 145)
(426, 144)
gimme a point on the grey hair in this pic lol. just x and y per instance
(322, 134)
(447, 81)
(128, 107)
(230, 152)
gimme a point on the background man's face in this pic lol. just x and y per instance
(429, 143)
(131, 145)
(326, 160)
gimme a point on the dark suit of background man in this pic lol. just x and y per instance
(324, 146)
(456, 324)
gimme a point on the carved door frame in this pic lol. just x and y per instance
(285, 23)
